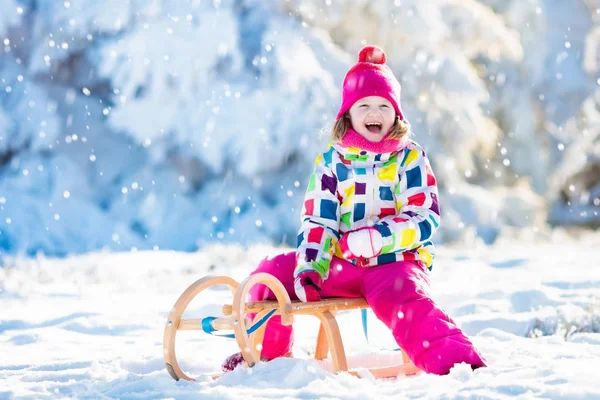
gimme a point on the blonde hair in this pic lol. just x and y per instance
(400, 130)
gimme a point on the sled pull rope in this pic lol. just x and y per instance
(363, 313)
(207, 325)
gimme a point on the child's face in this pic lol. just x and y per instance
(372, 117)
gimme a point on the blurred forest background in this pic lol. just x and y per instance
(145, 124)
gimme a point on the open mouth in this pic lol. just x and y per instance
(374, 127)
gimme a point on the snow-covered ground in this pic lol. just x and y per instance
(91, 327)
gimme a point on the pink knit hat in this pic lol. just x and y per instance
(370, 77)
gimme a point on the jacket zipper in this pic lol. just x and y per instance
(370, 206)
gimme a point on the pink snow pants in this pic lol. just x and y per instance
(398, 294)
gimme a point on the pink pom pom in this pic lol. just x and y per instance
(372, 54)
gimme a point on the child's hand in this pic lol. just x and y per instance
(307, 286)
(364, 242)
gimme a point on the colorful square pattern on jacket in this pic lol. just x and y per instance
(351, 188)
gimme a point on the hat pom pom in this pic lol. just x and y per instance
(372, 54)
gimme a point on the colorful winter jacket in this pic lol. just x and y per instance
(351, 188)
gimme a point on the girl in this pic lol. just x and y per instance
(370, 211)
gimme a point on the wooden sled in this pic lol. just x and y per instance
(329, 340)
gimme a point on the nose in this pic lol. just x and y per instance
(374, 111)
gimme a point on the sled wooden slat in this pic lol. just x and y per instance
(391, 371)
(322, 347)
(218, 324)
(297, 307)
(334, 340)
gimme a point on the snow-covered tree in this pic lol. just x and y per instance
(153, 123)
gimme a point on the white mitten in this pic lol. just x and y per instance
(363, 242)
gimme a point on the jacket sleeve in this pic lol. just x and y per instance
(319, 229)
(418, 211)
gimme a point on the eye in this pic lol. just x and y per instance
(363, 105)
(384, 106)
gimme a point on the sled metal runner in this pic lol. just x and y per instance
(329, 340)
